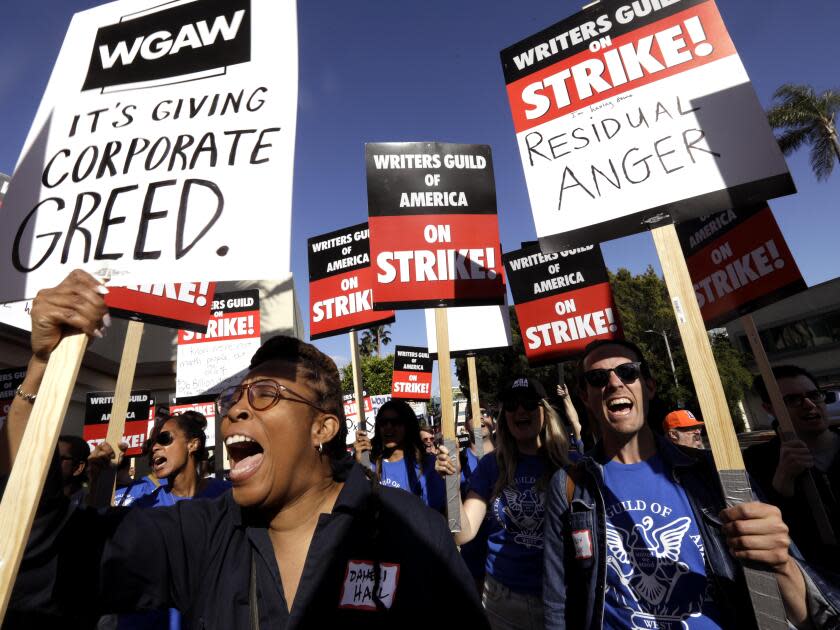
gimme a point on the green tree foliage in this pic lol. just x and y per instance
(376, 375)
(643, 305)
(373, 339)
(805, 117)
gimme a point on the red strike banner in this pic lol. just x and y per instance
(739, 262)
(177, 305)
(412, 376)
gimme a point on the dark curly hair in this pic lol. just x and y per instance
(321, 375)
(192, 423)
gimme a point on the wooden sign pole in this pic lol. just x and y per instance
(26, 481)
(764, 591)
(787, 430)
(356, 365)
(475, 407)
(119, 408)
(447, 418)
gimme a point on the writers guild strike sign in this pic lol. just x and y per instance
(185, 305)
(739, 262)
(341, 283)
(434, 232)
(159, 184)
(412, 378)
(10, 380)
(625, 119)
(141, 411)
(208, 362)
(563, 301)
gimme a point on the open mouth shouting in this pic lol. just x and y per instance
(620, 406)
(246, 455)
(158, 464)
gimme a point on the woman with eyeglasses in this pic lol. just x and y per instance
(398, 455)
(510, 484)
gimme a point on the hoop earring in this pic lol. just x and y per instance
(320, 448)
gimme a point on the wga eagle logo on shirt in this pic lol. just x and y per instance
(522, 514)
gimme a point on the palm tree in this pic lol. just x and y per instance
(805, 117)
(375, 337)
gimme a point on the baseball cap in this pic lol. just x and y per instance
(680, 419)
(523, 387)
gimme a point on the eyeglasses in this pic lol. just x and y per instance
(513, 402)
(627, 372)
(262, 395)
(164, 438)
(816, 396)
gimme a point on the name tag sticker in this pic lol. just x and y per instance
(358, 589)
(583, 543)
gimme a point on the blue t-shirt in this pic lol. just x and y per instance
(656, 574)
(423, 481)
(515, 545)
(146, 494)
(125, 496)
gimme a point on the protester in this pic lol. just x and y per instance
(399, 457)
(305, 539)
(73, 452)
(778, 465)
(632, 534)
(530, 446)
(570, 418)
(427, 436)
(683, 428)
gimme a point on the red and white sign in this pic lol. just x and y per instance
(412, 377)
(739, 262)
(210, 361)
(563, 301)
(185, 305)
(139, 417)
(434, 233)
(341, 283)
(626, 115)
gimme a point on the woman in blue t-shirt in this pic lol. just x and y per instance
(398, 456)
(510, 484)
(176, 448)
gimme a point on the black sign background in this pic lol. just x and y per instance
(319, 261)
(589, 263)
(95, 410)
(401, 359)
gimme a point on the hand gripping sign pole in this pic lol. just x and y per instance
(356, 366)
(119, 408)
(26, 481)
(764, 591)
(475, 407)
(447, 419)
(788, 431)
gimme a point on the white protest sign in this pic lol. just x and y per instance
(165, 135)
(209, 362)
(17, 314)
(472, 328)
(627, 116)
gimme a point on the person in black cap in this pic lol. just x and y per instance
(510, 483)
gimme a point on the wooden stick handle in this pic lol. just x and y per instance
(787, 430)
(356, 366)
(475, 407)
(26, 481)
(764, 592)
(447, 418)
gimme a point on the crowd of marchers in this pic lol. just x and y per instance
(603, 519)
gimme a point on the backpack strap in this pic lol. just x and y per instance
(572, 480)
(155, 481)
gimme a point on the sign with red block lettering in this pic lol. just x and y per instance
(563, 301)
(739, 262)
(412, 378)
(341, 283)
(179, 305)
(141, 411)
(631, 114)
(434, 232)
(206, 406)
(208, 362)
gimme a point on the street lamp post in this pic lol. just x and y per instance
(670, 356)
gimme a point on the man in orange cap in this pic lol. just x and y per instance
(681, 427)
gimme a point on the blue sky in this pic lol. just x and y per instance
(379, 70)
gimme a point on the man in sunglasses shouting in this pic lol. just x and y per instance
(305, 539)
(777, 465)
(637, 533)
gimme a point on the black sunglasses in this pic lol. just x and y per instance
(512, 402)
(262, 395)
(627, 372)
(164, 438)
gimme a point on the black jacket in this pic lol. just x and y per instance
(197, 557)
